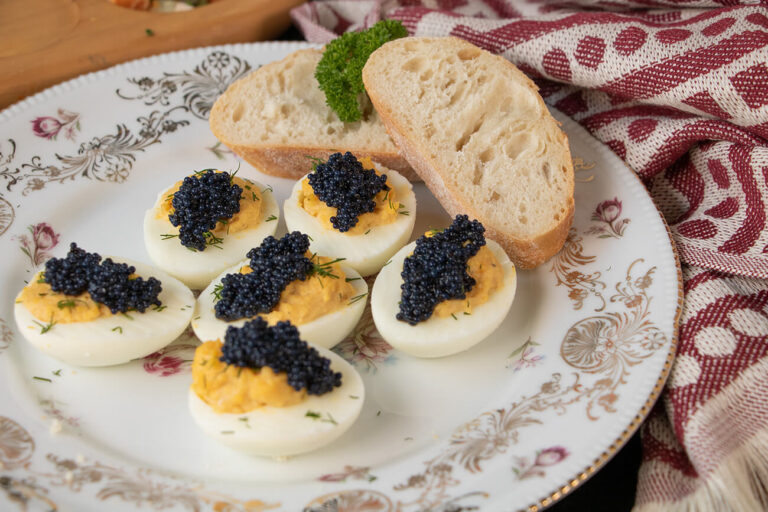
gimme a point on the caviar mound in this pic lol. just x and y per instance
(200, 203)
(70, 275)
(255, 345)
(274, 264)
(344, 184)
(107, 282)
(437, 269)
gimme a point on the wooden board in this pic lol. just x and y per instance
(47, 41)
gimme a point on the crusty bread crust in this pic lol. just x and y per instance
(276, 117)
(525, 251)
(294, 162)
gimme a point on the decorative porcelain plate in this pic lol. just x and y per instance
(514, 423)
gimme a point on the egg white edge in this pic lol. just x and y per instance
(457, 334)
(341, 321)
(325, 241)
(284, 431)
(187, 264)
(124, 337)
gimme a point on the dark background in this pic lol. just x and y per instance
(612, 489)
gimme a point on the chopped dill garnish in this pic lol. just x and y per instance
(356, 298)
(349, 279)
(216, 292)
(270, 218)
(324, 269)
(317, 416)
(315, 161)
(47, 327)
(45, 379)
(118, 329)
(67, 303)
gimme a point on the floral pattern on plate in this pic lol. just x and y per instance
(49, 127)
(613, 325)
(608, 214)
(42, 239)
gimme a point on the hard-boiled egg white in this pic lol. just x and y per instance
(197, 268)
(283, 431)
(437, 337)
(114, 339)
(325, 331)
(366, 253)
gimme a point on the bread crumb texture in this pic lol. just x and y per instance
(281, 104)
(476, 130)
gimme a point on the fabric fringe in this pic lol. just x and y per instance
(739, 484)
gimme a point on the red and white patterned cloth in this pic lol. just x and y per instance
(678, 89)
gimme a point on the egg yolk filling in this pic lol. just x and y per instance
(249, 215)
(316, 296)
(488, 275)
(236, 390)
(385, 211)
(49, 306)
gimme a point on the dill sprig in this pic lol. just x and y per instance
(216, 292)
(44, 328)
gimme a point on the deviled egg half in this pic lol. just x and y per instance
(354, 209)
(87, 312)
(264, 391)
(445, 292)
(283, 281)
(206, 223)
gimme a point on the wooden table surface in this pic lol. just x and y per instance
(48, 41)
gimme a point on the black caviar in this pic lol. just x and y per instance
(107, 282)
(255, 345)
(274, 264)
(200, 203)
(342, 183)
(437, 269)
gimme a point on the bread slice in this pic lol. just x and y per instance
(276, 116)
(475, 129)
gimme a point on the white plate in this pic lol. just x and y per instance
(515, 422)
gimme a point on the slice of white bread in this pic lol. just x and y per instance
(277, 116)
(475, 129)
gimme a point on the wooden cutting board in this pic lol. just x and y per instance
(47, 41)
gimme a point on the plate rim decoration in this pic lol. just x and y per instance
(65, 124)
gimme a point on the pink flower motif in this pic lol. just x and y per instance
(551, 456)
(608, 211)
(524, 469)
(46, 127)
(164, 363)
(527, 359)
(43, 238)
